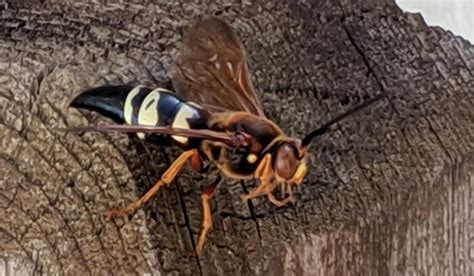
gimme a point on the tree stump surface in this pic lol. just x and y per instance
(388, 192)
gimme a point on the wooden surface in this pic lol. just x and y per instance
(389, 192)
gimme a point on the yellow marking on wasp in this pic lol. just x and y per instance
(185, 112)
(128, 108)
(251, 158)
(300, 173)
(213, 58)
(159, 89)
(148, 114)
(229, 66)
(194, 104)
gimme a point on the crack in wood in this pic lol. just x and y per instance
(253, 214)
(369, 67)
(184, 210)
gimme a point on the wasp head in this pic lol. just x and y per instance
(289, 163)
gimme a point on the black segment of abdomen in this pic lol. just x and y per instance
(168, 106)
(106, 100)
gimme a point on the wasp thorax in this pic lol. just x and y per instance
(286, 161)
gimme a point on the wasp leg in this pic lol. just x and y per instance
(286, 188)
(206, 214)
(196, 163)
(262, 189)
(263, 173)
(278, 202)
(165, 179)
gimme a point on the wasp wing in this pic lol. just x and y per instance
(211, 69)
(231, 140)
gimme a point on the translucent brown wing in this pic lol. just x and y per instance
(211, 69)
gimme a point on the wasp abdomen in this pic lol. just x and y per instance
(106, 100)
(141, 105)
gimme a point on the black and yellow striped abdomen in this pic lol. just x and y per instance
(141, 105)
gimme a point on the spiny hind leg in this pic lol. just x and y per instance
(206, 214)
(166, 179)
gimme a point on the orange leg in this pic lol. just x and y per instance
(262, 189)
(166, 179)
(278, 202)
(263, 173)
(196, 163)
(286, 188)
(206, 213)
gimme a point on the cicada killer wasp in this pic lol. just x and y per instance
(214, 116)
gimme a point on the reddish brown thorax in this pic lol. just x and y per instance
(286, 161)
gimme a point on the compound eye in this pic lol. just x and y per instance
(286, 162)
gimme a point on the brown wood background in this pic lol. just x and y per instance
(389, 192)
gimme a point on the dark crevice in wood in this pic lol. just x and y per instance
(184, 210)
(224, 215)
(252, 212)
(149, 181)
(454, 170)
(439, 141)
(369, 67)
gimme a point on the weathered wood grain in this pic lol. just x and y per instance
(389, 192)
